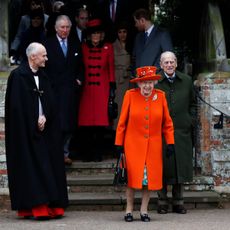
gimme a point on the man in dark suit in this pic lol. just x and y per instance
(113, 12)
(150, 42)
(81, 19)
(64, 68)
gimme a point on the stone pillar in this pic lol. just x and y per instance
(212, 41)
(4, 60)
(214, 141)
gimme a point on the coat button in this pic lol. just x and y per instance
(146, 117)
(146, 108)
(146, 99)
(146, 136)
(146, 126)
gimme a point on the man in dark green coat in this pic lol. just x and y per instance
(178, 168)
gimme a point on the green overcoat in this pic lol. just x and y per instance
(182, 107)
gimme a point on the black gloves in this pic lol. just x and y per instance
(119, 150)
(112, 90)
(170, 150)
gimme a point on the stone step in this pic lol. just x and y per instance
(116, 200)
(103, 182)
(91, 168)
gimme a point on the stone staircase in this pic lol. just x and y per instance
(90, 188)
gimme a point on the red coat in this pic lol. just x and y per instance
(141, 125)
(99, 72)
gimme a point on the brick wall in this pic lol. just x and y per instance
(213, 154)
(3, 171)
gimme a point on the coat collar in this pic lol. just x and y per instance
(164, 78)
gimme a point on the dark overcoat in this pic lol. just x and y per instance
(181, 102)
(34, 159)
(63, 73)
(148, 53)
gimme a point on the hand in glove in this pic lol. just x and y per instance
(119, 150)
(112, 90)
(170, 150)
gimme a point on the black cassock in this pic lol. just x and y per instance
(35, 163)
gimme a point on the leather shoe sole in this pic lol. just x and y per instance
(68, 161)
(162, 209)
(180, 209)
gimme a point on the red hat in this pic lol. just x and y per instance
(94, 25)
(146, 73)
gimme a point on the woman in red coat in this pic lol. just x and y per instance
(144, 118)
(98, 58)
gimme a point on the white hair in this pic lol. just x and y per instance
(168, 53)
(57, 6)
(62, 17)
(33, 48)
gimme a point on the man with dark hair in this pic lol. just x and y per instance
(81, 19)
(150, 42)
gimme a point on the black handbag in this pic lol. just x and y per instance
(120, 173)
(112, 109)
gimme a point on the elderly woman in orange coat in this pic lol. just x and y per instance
(144, 118)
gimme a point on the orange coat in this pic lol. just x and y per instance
(141, 125)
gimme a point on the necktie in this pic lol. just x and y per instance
(145, 37)
(63, 46)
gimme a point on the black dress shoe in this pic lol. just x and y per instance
(145, 217)
(179, 209)
(162, 209)
(42, 218)
(128, 217)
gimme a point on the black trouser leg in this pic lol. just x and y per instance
(177, 194)
(162, 195)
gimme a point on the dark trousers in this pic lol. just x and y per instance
(66, 141)
(91, 142)
(177, 195)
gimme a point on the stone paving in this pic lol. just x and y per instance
(207, 219)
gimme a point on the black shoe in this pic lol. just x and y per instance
(145, 217)
(128, 217)
(42, 218)
(162, 209)
(179, 209)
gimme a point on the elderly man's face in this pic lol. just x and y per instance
(168, 64)
(40, 58)
(63, 28)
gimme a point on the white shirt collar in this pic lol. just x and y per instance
(170, 77)
(60, 39)
(150, 30)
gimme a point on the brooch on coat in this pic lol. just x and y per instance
(154, 97)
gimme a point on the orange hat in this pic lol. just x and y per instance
(94, 25)
(146, 73)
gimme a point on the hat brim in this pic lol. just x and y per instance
(94, 29)
(146, 78)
